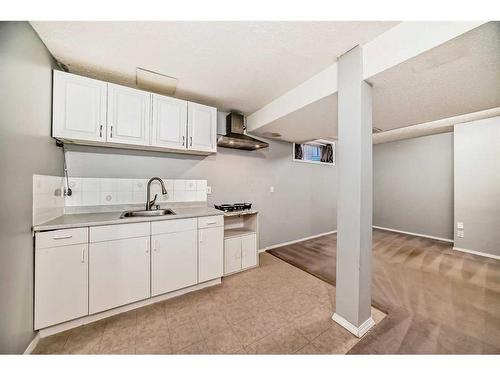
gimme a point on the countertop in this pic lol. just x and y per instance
(108, 218)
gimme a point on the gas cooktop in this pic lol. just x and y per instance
(233, 207)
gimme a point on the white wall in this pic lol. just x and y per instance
(477, 185)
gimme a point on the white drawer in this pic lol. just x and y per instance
(119, 231)
(61, 237)
(211, 221)
(173, 226)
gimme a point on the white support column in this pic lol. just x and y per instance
(354, 206)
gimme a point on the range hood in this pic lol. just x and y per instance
(235, 135)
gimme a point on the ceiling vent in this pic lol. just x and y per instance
(271, 135)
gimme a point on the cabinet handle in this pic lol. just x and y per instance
(111, 132)
(201, 236)
(147, 246)
(183, 139)
(155, 246)
(83, 255)
(62, 237)
(190, 140)
(211, 222)
(100, 131)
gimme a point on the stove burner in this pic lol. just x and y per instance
(233, 207)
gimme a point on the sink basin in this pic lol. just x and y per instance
(147, 213)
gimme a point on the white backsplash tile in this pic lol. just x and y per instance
(126, 185)
(201, 195)
(140, 185)
(201, 185)
(108, 197)
(180, 196)
(108, 184)
(90, 198)
(90, 184)
(108, 191)
(48, 198)
(125, 197)
(179, 185)
(190, 195)
(190, 185)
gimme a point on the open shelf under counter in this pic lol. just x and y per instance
(237, 232)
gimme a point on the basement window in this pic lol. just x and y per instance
(320, 151)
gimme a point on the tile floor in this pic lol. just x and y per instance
(273, 309)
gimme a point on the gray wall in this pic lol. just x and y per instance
(303, 203)
(25, 148)
(477, 185)
(413, 185)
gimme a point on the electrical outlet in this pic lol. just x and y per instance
(460, 225)
(460, 233)
(209, 190)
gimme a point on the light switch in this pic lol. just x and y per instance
(460, 234)
(460, 225)
(271, 189)
(209, 190)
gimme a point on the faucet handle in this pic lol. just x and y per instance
(152, 202)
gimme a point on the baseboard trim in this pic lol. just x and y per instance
(44, 332)
(356, 331)
(295, 241)
(477, 253)
(414, 234)
(31, 347)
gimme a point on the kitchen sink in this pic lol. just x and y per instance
(139, 213)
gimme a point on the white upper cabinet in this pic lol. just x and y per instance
(129, 115)
(88, 111)
(169, 127)
(79, 110)
(202, 128)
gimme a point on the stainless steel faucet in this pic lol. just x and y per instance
(149, 203)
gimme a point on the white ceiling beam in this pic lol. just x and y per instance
(402, 42)
(407, 40)
(315, 88)
(432, 127)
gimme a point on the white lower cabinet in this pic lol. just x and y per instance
(173, 261)
(210, 253)
(240, 253)
(84, 271)
(232, 255)
(61, 284)
(249, 251)
(118, 273)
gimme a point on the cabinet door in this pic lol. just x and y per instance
(169, 122)
(202, 128)
(129, 115)
(232, 255)
(118, 273)
(79, 108)
(173, 261)
(61, 284)
(249, 251)
(210, 253)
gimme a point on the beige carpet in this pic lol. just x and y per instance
(438, 300)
